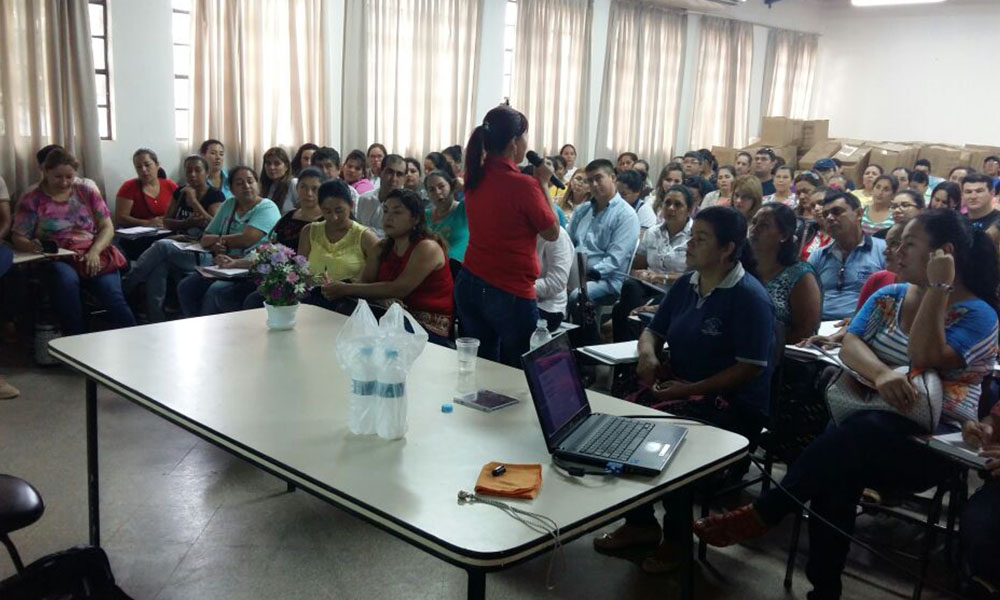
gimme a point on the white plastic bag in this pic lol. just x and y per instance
(396, 351)
(356, 352)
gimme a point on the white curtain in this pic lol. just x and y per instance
(789, 73)
(642, 81)
(551, 77)
(410, 73)
(258, 77)
(722, 84)
(47, 89)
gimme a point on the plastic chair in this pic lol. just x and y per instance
(20, 506)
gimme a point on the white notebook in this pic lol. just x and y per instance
(952, 445)
(619, 353)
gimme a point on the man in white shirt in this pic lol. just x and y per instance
(630, 186)
(555, 260)
(369, 206)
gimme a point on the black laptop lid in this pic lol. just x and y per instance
(556, 390)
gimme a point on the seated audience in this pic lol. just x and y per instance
(303, 158)
(337, 246)
(846, 263)
(191, 209)
(902, 175)
(825, 168)
(709, 165)
(215, 153)
(555, 260)
(559, 170)
(950, 301)
(243, 222)
(699, 187)
(415, 178)
(288, 228)
(919, 183)
(670, 175)
(864, 195)
(353, 172)
(577, 192)
(446, 216)
(606, 230)
(692, 164)
(144, 200)
(40, 157)
(435, 161)
(947, 195)
(659, 260)
(75, 217)
(977, 197)
(568, 153)
(906, 205)
(368, 208)
(783, 191)
(743, 163)
(276, 181)
(876, 215)
(747, 195)
(721, 316)
(957, 174)
(806, 183)
(625, 161)
(812, 225)
(327, 159)
(630, 185)
(924, 166)
(409, 265)
(991, 168)
(764, 163)
(453, 156)
(723, 196)
(790, 282)
(373, 161)
(980, 523)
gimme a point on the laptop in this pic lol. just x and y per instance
(574, 433)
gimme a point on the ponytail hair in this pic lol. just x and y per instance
(975, 253)
(730, 226)
(500, 126)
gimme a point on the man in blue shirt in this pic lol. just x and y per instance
(606, 230)
(845, 263)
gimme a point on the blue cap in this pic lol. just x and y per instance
(447, 407)
(825, 164)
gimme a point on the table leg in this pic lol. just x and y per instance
(477, 585)
(93, 489)
(686, 499)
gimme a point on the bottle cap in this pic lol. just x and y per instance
(447, 407)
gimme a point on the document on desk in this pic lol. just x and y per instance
(190, 246)
(616, 354)
(140, 231)
(952, 445)
(223, 273)
(812, 352)
(828, 328)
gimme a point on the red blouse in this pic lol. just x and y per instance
(144, 206)
(433, 295)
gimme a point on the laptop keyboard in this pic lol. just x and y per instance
(617, 439)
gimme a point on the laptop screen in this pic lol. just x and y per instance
(555, 386)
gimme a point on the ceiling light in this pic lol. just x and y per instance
(892, 2)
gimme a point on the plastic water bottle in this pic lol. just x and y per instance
(541, 335)
(361, 413)
(390, 423)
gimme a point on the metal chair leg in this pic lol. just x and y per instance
(933, 516)
(14, 556)
(793, 549)
(702, 546)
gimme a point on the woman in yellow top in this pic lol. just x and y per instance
(864, 193)
(337, 246)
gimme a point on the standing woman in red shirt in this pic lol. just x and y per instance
(507, 211)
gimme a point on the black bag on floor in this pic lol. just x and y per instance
(79, 573)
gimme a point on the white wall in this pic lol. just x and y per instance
(912, 74)
(142, 74)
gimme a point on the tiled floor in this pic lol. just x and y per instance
(182, 519)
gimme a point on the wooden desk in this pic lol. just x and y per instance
(279, 401)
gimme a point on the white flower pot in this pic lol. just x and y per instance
(281, 317)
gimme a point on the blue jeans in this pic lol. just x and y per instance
(502, 322)
(868, 449)
(155, 266)
(599, 292)
(201, 296)
(64, 286)
(6, 259)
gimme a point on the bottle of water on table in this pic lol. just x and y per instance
(364, 385)
(390, 423)
(541, 335)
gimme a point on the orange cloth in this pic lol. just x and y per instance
(519, 481)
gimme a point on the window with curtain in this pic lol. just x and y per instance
(257, 79)
(642, 81)
(48, 92)
(552, 71)
(789, 73)
(722, 84)
(409, 81)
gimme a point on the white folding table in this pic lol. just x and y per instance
(278, 399)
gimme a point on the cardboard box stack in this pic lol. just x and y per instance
(853, 155)
(791, 139)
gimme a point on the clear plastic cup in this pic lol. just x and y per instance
(467, 348)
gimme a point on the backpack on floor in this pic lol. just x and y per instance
(80, 573)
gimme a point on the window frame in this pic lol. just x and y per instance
(106, 71)
(174, 10)
(508, 51)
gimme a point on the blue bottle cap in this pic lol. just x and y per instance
(447, 407)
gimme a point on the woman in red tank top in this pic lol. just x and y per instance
(410, 265)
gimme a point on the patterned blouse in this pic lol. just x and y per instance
(780, 289)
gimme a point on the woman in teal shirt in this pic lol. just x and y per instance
(446, 216)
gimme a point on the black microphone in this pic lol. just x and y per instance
(537, 161)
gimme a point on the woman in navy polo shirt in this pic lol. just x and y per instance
(719, 325)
